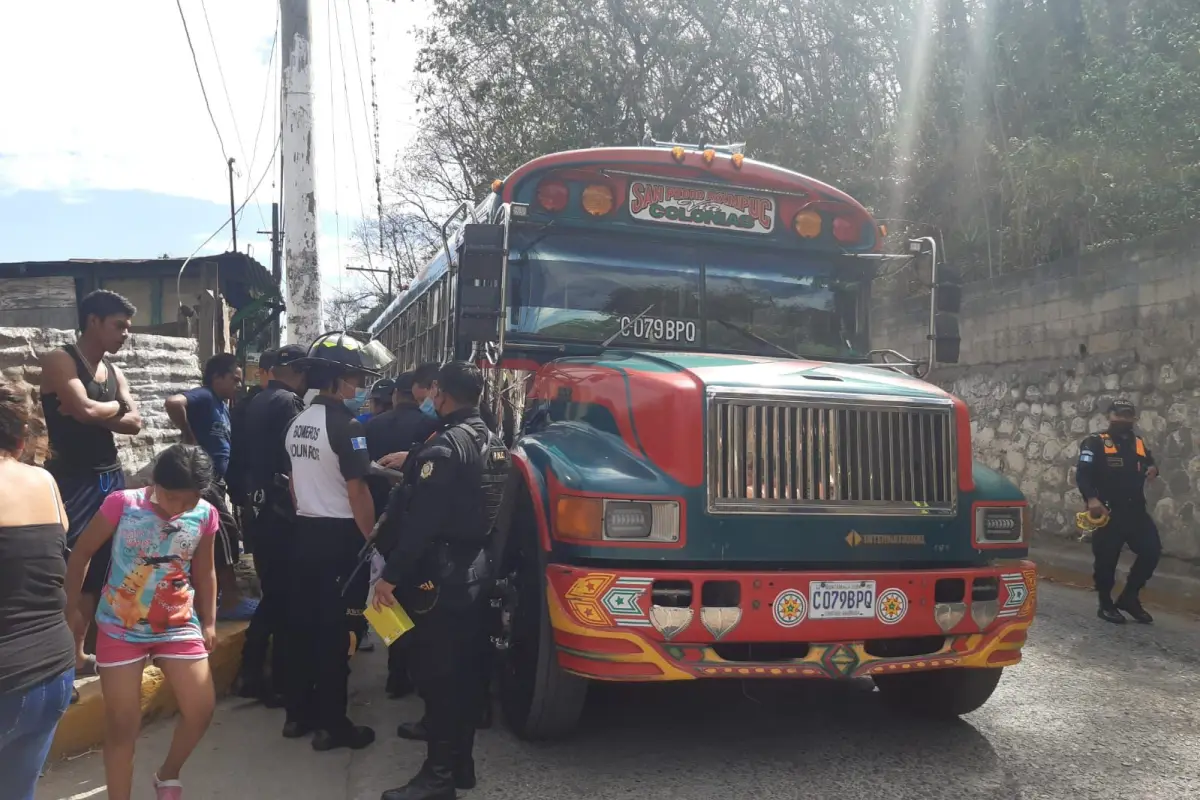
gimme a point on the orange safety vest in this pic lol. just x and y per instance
(1110, 447)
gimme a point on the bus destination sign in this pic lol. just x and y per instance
(701, 207)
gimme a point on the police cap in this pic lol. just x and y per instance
(1122, 408)
(404, 382)
(288, 354)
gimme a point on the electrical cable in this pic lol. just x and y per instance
(374, 111)
(350, 120)
(203, 91)
(213, 235)
(337, 219)
(271, 73)
(221, 72)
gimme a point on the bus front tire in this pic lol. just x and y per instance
(939, 694)
(541, 701)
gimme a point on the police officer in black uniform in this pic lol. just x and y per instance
(437, 567)
(334, 516)
(1113, 468)
(400, 430)
(257, 447)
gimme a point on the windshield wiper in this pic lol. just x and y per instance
(610, 339)
(752, 335)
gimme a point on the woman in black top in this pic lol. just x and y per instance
(37, 651)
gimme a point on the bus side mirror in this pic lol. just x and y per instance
(949, 290)
(479, 282)
(946, 338)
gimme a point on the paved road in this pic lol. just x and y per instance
(1095, 711)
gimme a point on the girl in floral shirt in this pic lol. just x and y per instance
(159, 604)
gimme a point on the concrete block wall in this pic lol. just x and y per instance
(1046, 349)
(155, 367)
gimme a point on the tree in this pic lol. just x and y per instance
(1020, 130)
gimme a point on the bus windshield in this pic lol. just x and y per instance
(659, 295)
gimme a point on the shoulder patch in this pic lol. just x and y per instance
(426, 470)
(1085, 457)
(359, 442)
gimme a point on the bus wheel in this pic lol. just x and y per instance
(939, 694)
(540, 700)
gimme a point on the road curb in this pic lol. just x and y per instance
(82, 726)
(1167, 590)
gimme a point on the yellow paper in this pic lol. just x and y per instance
(390, 623)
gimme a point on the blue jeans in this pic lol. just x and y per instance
(28, 720)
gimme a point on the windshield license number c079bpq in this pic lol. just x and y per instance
(658, 329)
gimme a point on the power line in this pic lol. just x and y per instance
(214, 234)
(221, 72)
(349, 118)
(203, 91)
(337, 219)
(271, 71)
(375, 115)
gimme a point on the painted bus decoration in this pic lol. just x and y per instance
(716, 478)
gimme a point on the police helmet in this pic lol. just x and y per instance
(338, 352)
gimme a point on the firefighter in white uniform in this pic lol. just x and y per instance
(334, 513)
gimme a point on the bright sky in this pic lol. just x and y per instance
(106, 149)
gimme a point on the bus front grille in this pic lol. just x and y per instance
(847, 454)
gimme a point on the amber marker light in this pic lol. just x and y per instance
(708, 156)
(579, 518)
(497, 185)
(807, 224)
(597, 200)
(737, 159)
(677, 153)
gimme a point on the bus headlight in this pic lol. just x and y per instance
(1001, 525)
(646, 521)
(592, 519)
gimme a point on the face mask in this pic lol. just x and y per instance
(427, 408)
(1120, 426)
(355, 403)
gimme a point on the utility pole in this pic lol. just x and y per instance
(232, 207)
(387, 272)
(299, 184)
(276, 265)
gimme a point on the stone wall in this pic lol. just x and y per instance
(155, 367)
(1045, 350)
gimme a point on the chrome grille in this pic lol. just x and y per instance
(781, 455)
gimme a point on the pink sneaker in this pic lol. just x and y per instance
(167, 790)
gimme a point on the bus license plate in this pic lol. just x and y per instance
(841, 599)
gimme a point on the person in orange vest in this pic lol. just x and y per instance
(1113, 468)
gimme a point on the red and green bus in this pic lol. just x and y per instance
(716, 476)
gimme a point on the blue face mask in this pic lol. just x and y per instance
(427, 408)
(355, 403)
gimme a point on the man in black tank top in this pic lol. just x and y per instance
(85, 400)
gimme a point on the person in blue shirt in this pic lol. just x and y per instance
(202, 416)
(379, 400)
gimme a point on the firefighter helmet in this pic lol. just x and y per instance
(339, 352)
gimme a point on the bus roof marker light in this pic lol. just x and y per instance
(552, 196)
(846, 230)
(807, 224)
(598, 200)
(737, 159)
(709, 155)
(677, 153)
(497, 185)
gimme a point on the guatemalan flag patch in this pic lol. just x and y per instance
(358, 442)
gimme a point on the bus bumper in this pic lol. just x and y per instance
(654, 625)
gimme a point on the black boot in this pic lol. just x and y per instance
(413, 731)
(355, 737)
(296, 728)
(1129, 603)
(1108, 611)
(464, 761)
(435, 781)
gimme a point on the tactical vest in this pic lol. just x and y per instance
(496, 466)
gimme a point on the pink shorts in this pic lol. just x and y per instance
(114, 652)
